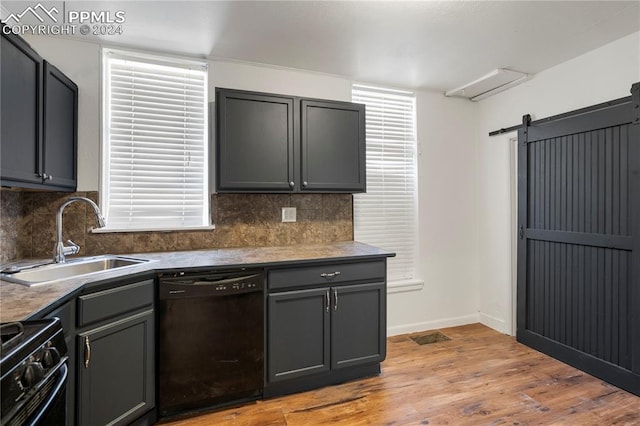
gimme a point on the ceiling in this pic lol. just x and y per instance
(421, 44)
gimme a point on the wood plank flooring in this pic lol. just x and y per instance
(479, 377)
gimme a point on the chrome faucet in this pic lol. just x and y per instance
(60, 251)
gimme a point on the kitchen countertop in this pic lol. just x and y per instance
(18, 302)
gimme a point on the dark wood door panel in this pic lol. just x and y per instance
(580, 182)
(579, 248)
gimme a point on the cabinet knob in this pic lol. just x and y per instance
(291, 184)
(45, 176)
(305, 183)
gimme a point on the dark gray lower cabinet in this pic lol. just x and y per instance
(110, 340)
(325, 329)
(299, 332)
(358, 325)
(116, 370)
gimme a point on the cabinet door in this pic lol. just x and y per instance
(60, 117)
(358, 325)
(21, 88)
(298, 334)
(333, 146)
(255, 142)
(115, 371)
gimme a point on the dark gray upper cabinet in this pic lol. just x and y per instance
(21, 114)
(333, 146)
(60, 137)
(279, 143)
(39, 121)
(255, 149)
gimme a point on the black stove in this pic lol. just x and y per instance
(33, 373)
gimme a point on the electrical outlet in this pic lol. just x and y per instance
(288, 214)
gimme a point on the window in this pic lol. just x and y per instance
(386, 215)
(155, 170)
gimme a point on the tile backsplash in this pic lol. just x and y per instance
(27, 224)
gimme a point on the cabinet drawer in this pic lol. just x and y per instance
(114, 302)
(327, 274)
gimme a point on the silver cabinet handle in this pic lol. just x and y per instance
(327, 300)
(291, 184)
(47, 177)
(330, 275)
(305, 183)
(87, 352)
(335, 299)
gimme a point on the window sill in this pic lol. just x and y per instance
(405, 286)
(186, 229)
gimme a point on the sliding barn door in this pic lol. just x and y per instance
(578, 249)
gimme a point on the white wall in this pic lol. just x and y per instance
(446, 131)
(598, 76)
(447, 219)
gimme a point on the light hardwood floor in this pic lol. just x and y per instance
(479, 377)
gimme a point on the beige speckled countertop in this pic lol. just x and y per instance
(18, 302)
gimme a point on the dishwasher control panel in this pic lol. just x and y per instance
(183, 284)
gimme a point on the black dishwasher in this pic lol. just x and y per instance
(210, 339)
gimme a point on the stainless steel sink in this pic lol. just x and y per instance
(47, 273)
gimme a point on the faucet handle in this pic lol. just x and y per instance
(72, 248)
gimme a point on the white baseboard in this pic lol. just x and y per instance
(432, 325)
(496, 323)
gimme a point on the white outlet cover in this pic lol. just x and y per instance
(288, 214)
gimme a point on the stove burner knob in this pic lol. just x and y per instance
(50, 357)
(31, 375)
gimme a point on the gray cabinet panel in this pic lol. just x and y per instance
(255, 141)
(60, 136)
(298, 334)
(114, 302)
(358, 325)
(21, 87)
(333, 146)
(332, 274)
(116, 371)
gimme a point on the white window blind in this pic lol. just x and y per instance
(386, 214)
(155, 157)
